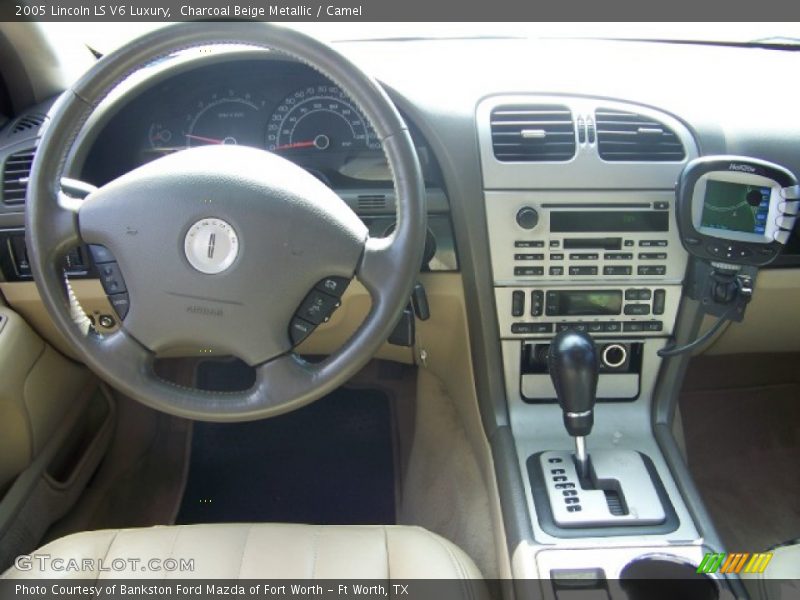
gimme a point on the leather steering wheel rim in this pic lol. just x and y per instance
(387, 267)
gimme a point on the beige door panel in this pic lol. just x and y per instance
(37, 387)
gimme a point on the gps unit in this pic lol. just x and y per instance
(736, 210)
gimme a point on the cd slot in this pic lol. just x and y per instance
(584, 243)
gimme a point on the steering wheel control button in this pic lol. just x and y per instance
(211, 245)
(317, 307)
(111, 278)
(121, 304)
(101, 254)
(299, 330)
(335, 286)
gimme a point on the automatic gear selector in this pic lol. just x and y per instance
(574, 369)
(603, 488)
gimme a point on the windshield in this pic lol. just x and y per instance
(105, 37)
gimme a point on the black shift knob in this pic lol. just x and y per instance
(574, 367)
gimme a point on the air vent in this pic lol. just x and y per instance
(27, 122)
(627, 136)
(16, 171)
(533, 133)
(371, 201)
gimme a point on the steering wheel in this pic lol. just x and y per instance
(219, 246)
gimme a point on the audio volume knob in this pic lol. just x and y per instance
(527, 217)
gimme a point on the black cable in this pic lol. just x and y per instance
(675, 350)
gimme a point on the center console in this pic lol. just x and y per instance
(588, 273)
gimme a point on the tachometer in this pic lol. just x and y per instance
(226, 118)
(319, 120)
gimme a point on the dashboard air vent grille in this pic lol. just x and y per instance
(16, 172)
(627, 136)
(533, 133)
(371, 201)
(27, 122)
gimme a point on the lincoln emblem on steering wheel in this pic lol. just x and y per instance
(211, 245)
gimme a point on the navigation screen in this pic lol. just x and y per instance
(736, 207)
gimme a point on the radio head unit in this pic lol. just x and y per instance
(736, 210)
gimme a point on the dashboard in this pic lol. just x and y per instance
(447, 91)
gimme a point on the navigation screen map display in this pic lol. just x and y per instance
(736, 207)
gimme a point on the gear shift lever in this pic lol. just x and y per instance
(573, 364)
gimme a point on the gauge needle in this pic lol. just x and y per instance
(296, 145)
(201, 138)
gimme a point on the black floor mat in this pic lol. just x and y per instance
(327, 463)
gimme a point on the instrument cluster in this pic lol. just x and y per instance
(279, 106)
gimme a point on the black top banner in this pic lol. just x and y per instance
(397, 10)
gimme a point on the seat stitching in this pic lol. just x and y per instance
(244, 550)
(457, 565)
(386, 550)
(172, 549)
(315, 547)
(105, 556)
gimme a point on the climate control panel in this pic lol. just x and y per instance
(536, 312)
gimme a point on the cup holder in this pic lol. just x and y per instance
(666, 577)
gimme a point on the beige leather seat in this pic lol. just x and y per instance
(257, 551)
(781, 579)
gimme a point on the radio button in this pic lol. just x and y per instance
(584, 256)
(527, 271)
(652, 255)
(653, 243)
(618, 256)
(659, 299)
(557, 256)
(529, 257)
(612, 327)
(527, 217)
(517, 303)
(522, 328)
(633, 294)
(617, 270)
(652, 270)
(537, 303)
(628, 243)
(542, 328)
(637, 309)
(661, 205)
(557, 271)
(653, 326)
(555, 243)
(563, 327)
(595, 327)
(633, 326)
(583, 271)
(529, 244)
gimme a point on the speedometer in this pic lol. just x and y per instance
(319, 120)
